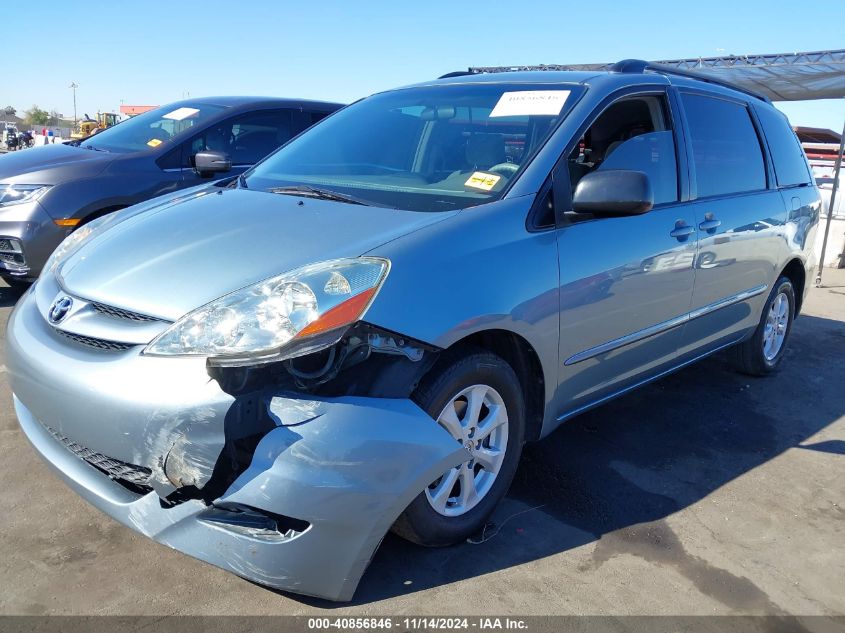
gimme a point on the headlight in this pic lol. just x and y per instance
(75, 240)
(18, 194)
(285, 316)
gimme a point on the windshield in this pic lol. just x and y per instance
(152, 128)
(423, 149)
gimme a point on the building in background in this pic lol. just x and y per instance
(134, 110)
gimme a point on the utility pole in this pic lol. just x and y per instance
(73, 85)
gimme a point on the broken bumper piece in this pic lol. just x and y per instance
(311, 509)
(310, 485)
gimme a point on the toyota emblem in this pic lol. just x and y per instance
(60, 308)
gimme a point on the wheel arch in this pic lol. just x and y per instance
(795, 271)
(524, 360)
(98, 213)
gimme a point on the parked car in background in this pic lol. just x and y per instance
(46, 194)
(361, 332)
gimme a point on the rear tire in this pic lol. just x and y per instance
(477, 398)
(762, 354)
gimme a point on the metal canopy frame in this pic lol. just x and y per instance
(778, 77)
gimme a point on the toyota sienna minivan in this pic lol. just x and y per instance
(361, 332)
(50, 192)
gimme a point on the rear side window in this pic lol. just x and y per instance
(304, 119)
(787, 155)
(317, 116)
(725, 147)
(255, 135)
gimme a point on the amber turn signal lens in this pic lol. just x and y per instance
(69, 222)
(343, 314)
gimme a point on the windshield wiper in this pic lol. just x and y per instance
(323, 194)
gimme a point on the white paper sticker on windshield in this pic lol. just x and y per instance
(528, 102)
(180, 113)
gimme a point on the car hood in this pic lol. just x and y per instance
(173, 258)
(52, 164)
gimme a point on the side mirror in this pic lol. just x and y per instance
(208, 163)
(614, 192)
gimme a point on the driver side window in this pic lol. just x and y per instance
(246, 138)
(634, 133)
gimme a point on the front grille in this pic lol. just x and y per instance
(137, 476)
(120, 313)
(97, 343)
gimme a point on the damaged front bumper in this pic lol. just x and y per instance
(303, 510)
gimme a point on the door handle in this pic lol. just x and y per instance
(681, 231)
(710, 223)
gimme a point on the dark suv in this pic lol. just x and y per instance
(45, 194)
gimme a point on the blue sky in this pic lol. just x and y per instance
(155, 52)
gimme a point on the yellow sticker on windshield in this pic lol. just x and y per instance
(154, 142)
(480, 180)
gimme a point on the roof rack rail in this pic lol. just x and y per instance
(637, 66)
(641, 66)
(480, 70)
(457, 73)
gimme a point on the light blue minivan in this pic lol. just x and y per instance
(361, 332)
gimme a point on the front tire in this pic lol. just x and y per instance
(476, 397)
(762, 354)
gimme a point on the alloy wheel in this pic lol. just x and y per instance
(777, 322)
(478, 419)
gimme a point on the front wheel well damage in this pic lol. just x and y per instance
(367, 361)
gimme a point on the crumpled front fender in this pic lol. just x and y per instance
(349, 470)
(348, 466)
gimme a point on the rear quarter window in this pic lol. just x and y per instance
(726, 151)
(788, 157)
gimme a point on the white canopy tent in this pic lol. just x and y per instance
(781, 77)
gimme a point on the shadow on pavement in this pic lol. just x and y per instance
(837, 447)
(631, 463)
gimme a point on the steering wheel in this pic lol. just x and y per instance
(505, 169)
